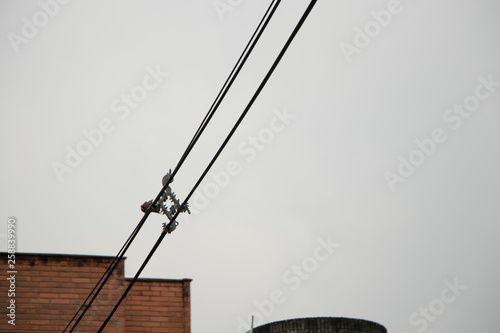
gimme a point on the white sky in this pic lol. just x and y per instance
(320, 175)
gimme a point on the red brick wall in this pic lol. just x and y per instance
(159, 305)
(50, 288)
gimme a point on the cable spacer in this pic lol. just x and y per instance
(167, 204)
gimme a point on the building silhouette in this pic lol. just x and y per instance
(321, 325)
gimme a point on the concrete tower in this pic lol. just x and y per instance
(321, 325)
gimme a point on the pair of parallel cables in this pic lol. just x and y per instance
(170, 227)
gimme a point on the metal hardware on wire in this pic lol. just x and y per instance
(163, 208)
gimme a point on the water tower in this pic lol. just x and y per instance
(321, 325)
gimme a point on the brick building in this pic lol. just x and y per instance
(49, 288)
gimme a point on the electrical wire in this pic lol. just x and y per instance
(222, 93)
(249, 105)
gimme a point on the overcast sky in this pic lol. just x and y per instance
(363, 183)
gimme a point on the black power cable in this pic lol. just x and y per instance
(222, 93)
(249, 105)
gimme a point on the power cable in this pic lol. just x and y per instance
(242, 116)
